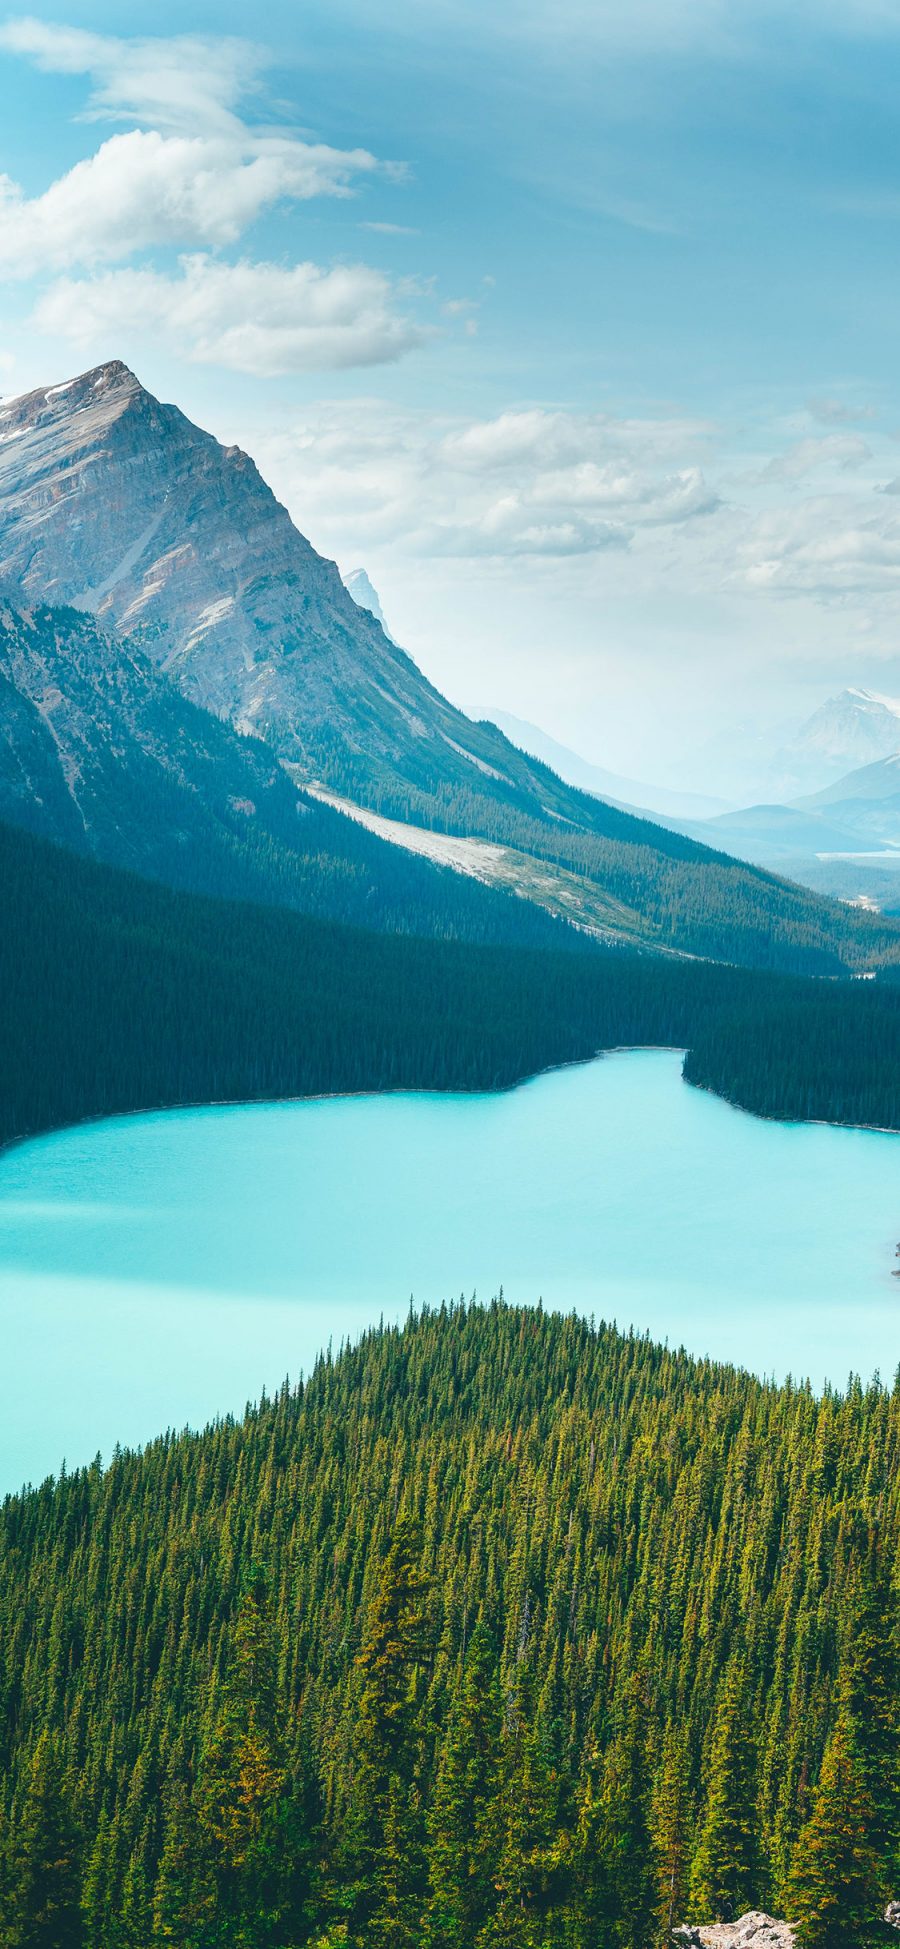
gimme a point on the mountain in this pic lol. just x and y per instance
(824, 838)
(117, 505)
(357, 581)
(99, 752)
(875, 784)
(628, 793)
(768, 833)
(854, 728)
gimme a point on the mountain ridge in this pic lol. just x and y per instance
(117, 504)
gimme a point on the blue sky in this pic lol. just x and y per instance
(576, 324)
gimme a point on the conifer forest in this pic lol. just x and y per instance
(503, 1629)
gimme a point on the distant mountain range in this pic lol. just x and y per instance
(813, 837)
(626, 792)
(150, 570)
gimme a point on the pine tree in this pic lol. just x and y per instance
(624, 1833)
(98, 1894)
(832, 1894)
(184, 1898)
(461, 1860)
(670, 1835)
(870, 1692)
(385, 1847)
(593, 1898)
(532, 1853)
(723, 1879)
(249, 1840)
(46, 1892)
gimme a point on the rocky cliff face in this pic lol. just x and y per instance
(119, 505)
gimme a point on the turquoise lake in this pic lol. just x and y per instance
(157, 1270)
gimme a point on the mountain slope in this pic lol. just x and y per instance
(117, 504)
(100, 752)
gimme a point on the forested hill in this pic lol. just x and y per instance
(502, 1632)
(119, 994)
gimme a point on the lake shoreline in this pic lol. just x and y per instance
(12, 1144)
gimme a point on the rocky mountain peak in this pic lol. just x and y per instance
(105, 391)
(116, 504)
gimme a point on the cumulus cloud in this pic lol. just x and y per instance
(143, 189)
(249, 317)
(194, 171)
(827, 547)
(193, 176)
(527, 483)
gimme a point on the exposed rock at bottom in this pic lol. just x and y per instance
(892, 1914)
(753, 1931)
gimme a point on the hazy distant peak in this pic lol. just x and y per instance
(365, 595)
(874, 697)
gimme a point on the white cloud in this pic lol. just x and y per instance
(840, 451)
(184, 83)
(828, 547)
(193, 173)
(257, 318)
(529, 483)
(143, 189)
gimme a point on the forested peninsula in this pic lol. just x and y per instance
(123, 994)
(501, 1630)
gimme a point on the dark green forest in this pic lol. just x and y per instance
(121, 994)
(501, 1630)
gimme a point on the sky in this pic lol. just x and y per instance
(575, 324)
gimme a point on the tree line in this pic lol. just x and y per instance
(501, 1630)
(122, 994)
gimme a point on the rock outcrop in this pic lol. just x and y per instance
(752, 1931)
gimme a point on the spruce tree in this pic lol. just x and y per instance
(461, 1852)
(45, 1901)
(249, 1842)
(626, 1820)
(832, 1893)
(385, 1852)
(533, 1858)
(870, 1691)
(724, 1875)
(670, 1835)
